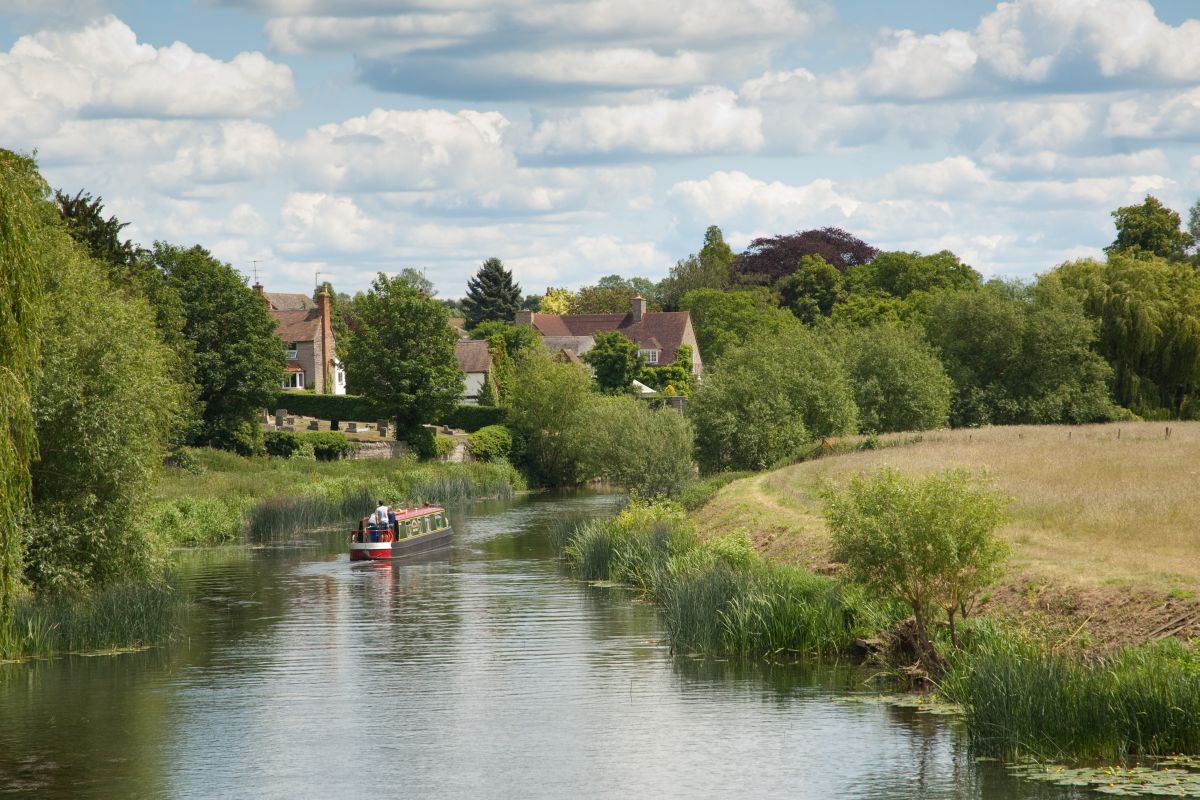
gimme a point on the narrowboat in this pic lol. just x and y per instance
(416, 530)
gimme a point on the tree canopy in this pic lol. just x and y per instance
(768, 400)
(237, 361)
(491, 294)
(401, 354)
(615, 361)
(1152, 228)
(899, 274)
(723, 320)
(768, 259)
(812, 290)
(711, 268)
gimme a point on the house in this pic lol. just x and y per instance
(475, 360)
(304, 325)
(658, 334)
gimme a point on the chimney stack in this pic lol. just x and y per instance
(524, 318)
(639, 309)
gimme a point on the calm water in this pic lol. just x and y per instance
(483, 674)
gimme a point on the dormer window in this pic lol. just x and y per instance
(291, 352)
(649, 356)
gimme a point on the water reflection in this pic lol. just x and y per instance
(480, 672)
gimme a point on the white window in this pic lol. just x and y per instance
(293, 380)
(649, 356)
(339, 375)
(291, 353)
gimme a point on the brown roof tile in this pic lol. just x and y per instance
(473, 356)
(287, 301)
(659, 330)
(298, 326)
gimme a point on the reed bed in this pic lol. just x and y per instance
(118, 616)
(1022, 698)
(717, 596)
(232, 497)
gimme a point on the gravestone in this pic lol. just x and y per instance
(352, 427)
(313, 425)
(279, 416)
(382, 425)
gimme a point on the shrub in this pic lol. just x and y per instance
(491, 443)
(328, 445)
(473, 418)
(283, 444)
(443, 445)
(926, 542)
(645, 450)
(420, 440)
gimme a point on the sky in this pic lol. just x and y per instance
(579, 138)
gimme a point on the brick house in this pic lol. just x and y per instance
(658, 334)
(304, 325)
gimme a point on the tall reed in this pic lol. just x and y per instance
(115, 616)
(1021, 698)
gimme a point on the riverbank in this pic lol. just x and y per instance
(222, 498)
(1083, 647)
(1104, 525)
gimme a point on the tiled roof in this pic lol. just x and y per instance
(285, 301)
(659, 330)
(298, 326)
(473, 356)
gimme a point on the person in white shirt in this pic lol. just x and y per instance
(381, 515)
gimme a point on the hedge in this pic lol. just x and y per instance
(323, 445)
(340, 407)
(472, 418)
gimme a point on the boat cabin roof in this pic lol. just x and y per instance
(409, 513)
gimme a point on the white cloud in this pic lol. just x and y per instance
(315, 223)
(1051, 163)
(709, 121)
(229, 152)
(102, 71)
(912, 67)
(1156, 117)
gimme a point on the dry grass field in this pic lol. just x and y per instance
(1104, 522)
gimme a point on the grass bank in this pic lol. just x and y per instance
(1083, 649)
(226, 497)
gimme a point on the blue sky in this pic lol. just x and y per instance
(578, 138)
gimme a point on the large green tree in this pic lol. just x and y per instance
(1152, 228)
(401, 354)
(769, 400)
(711, 268)
(1148, 312)
(24, 266)
(1018, 354)
(645, 450)
(723, 320)
(899, 274)
(812, 290)
(237, 361)
(548, 398)
(105, 414)
(615, 361)
(899, 382)
(491, 294)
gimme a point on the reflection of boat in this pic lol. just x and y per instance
(416, 530)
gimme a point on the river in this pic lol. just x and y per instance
(483, 673)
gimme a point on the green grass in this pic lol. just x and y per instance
(717, 596)
(229, 496)
(1021, 698)
(119, 616)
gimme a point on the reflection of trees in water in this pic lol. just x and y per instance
(84, 721)
(778, 681)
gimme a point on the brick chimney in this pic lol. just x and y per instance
(639, 309)
(258, 289)
(324, 381)
(524, 318)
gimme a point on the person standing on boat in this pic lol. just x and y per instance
(381, 515)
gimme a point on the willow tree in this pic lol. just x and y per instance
(1149, 328)
(23, 209)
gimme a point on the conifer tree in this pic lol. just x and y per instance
(491, 294)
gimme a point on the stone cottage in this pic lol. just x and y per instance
(475, 361)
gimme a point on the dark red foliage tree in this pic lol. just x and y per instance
(768, 259)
